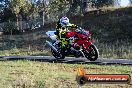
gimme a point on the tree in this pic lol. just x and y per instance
(116, 2)
(85, 4)
(54, 10)
(101, 3)
(130, 2)
(43, 8)
(73, 6)
(5, 3)
(7, 15)
(61, 8)
(17, 6)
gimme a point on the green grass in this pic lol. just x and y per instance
(23, 52)
(31, 74)
(118, 49)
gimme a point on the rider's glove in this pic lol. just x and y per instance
(77, 30)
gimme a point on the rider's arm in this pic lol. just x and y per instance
(73, 26)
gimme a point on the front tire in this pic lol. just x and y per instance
(60, 54)
(92, 53)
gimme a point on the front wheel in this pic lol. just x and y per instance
(60, 54)
(92, 53)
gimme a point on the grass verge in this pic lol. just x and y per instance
(105, 51)
(24, 52)
(33, 74)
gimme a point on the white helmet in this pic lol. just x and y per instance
(64, 21)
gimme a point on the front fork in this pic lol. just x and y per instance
(85, 48)
(82, 50)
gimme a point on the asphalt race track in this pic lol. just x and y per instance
(71, 60)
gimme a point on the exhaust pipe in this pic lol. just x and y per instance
(51, 46)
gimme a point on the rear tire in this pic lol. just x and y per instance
(92, 54)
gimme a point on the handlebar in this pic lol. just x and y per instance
(80, 30)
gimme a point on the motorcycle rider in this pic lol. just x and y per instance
(62, 27)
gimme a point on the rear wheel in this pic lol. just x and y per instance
(92, 53)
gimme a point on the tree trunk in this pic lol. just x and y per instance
(21, 24)
(75, 3)
(84, 6)
(43, 17)
(17, 22)
(73, 6)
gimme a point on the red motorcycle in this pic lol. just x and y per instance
(80, 45)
